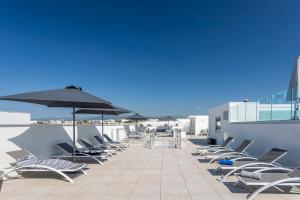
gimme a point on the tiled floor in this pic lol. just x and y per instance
(137, 173)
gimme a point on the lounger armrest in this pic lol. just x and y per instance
(224, 150)
(217, 148)
(272, 184)
(244, 158)
(280, 169)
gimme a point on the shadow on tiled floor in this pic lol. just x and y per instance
(198, 141)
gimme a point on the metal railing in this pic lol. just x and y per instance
(177, 137)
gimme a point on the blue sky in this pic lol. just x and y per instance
(153, 57)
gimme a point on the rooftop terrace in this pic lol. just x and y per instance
(137, 173)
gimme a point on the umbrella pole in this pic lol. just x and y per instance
(102, 125)
(74, 151)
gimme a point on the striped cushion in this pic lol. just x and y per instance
(27, 160)
(57, 163)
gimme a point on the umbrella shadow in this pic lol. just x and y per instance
(203, 160)
(198, 141)
(1, 183)
(87, 131)
(41, 139)
(244, 189)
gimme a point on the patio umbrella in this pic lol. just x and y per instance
(137, 117)
(293, 93)
(168, 119)
(115, 111)
(70, 96)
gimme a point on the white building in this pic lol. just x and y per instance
(198, 124)
(225, 121)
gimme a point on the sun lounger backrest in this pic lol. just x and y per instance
(272, 155)
(86, 142)
(19, 154)
(99, 139)
(107, 138)
(245, 144)
(227, 142)
(66, 147)
(295, 172)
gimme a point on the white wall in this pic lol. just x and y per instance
(14, 118)
(198, 123)
(40, 139)
(180, 123)
(213, 113)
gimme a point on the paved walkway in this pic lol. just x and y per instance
(138, 173)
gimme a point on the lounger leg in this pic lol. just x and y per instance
(83, 171)
(7, 172)
(101, 163)
(43, 167)
(56, 171)
(252, 195)
(236, 183)
(64, 175)
(110, 154)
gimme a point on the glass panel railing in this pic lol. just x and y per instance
(278, 106)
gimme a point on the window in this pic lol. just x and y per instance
(225, 115)
(218, 123)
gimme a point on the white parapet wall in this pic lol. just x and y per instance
(14, 118)
(40, 139)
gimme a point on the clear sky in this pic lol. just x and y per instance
(153, 57)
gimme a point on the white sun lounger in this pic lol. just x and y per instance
(222, 154)
(265, 161)
(88, 144)
(281, 178)
(214, 148)
(27, 162)
(68, 153)
(102, 142)
(109, 140)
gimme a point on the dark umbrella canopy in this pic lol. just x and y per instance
(70, 96)
(167, 118)
(115, 111)
(293, 93)
(67, 97)
(137, 117)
